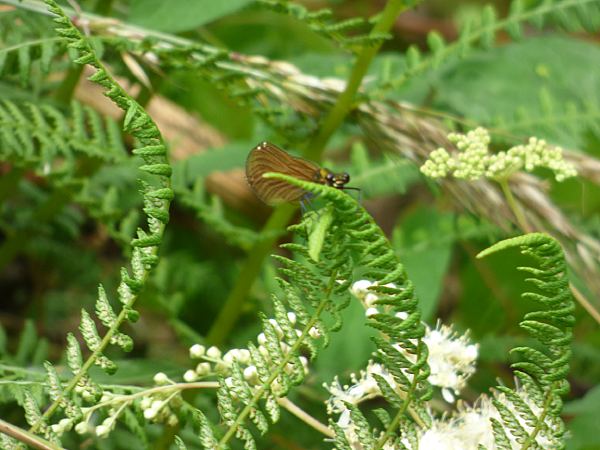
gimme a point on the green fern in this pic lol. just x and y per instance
(531, 412)
(321, 22)
(157, 195)
(30, 46)
(567, 14)
(36, 137)
(352, 235)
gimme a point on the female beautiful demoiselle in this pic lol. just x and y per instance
(266, 157)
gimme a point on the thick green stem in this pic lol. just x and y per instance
(27, 437)
(345, 103)
(232, 308)
(514, 206)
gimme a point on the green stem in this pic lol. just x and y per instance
(231, 310)
(27, 437)
(345, 102)
(64, 93)
(514, 206)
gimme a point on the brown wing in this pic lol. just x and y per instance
(267, 157)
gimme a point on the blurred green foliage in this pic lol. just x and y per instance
(63, 232)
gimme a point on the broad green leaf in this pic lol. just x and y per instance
(180, 15)
(424, 243)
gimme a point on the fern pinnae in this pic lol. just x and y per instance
(485, 33)
(542, 373)
(144, 258)
(403, 325)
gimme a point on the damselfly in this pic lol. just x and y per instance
(266, 157)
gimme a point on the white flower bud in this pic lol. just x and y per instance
(371, 311)
(314, 333)
(81, 428)
(250, 373)
(202, 369)
(190, 376)
(213, 352)
(262, 339)
(102, 431)
(172, 420)
(150, 413)
(360, 288)
(291, 317)
(157, 404)
(197, 351)
(161, 378)
(244, 356)
(145, 403)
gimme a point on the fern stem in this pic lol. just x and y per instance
(232, 308)
(345, 102)
(27, 437)
(514, 206)
(241, 417)
(291, 407)
(389, 431)
(539, 422)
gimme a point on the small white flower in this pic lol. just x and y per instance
(314, 333)
(371, 312)
(213, 352)
(197, 351)
(161, 378)
(190, 376)
(82, 428)
(102, 431)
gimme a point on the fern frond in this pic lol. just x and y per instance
(321, 22)
(553, 118)
(531, 412)
(212, 213)
(400, 322)
(567, 14)
(29, 46)
(157, 197)
(49, 141)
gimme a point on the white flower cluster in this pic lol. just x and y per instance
(451, 356)
(214, 362)
(473, 161)
(160, 406)
(471, 428)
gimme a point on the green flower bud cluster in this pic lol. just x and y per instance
(473, 161)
